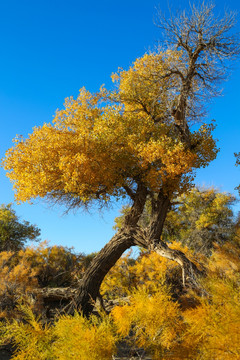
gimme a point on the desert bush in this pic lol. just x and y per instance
(55, 266)
(30, 338)
(70, 337)
(193, 325)
(152, 321)
(81, 338)
(18, 279)
(213, 328)
(149, 269)
(34, 267)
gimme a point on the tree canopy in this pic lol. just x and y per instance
(13, 232)
(201, 219)
(102, 144)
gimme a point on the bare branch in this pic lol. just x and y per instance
(207, 46)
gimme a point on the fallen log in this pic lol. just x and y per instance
(57, 294)
(58, 299)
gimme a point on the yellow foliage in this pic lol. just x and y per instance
(99, 143)
(32, 340)
(79, 338)
(18, 278)
(71, 337)
(194, 327)
(225, 261)
(35, 267)
(54, 266)
(154, 319)
(149, 269)
(214, 326)
(206, 327)
(126, 275)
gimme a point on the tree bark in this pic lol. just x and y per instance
(160, 208)
(90, 283)
(189, 269)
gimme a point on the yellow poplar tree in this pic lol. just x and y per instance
(135, 140)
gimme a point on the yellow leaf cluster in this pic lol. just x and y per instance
(18, 278)
(214, 326)
(99, 143)
(35, 267)
(54, 266)
(154, 319)
(71, 337)
(149, 269)
(127, 275)
(79, 338)
(225, 261)
(32, 340)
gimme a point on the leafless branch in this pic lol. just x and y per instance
(208, 46)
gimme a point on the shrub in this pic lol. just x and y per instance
(153, 321)
(81, 338)
(70, 337)
(18, 279)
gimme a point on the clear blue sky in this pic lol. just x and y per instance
(49, 50)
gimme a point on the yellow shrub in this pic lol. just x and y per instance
(214, 326)
(154, 320)
(225, 260)
(32, 340)
(55, 266)
(149, 269)
(194, 327)
(127, 274)
(70, 337)
(18, 278)
(79, 338)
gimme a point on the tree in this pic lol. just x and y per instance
(13, 233)
(201, 219)
(133, 141)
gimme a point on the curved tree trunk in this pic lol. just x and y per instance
(90, 283)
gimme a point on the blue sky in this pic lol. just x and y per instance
(49, 50)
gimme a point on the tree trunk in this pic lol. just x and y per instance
(160, 208)
(189, 269)
(90, 283)
(150, 238)
(108, 256)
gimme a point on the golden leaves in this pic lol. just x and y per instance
(78, 337)
(70, 337)
(154, 320)
(101, 142)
